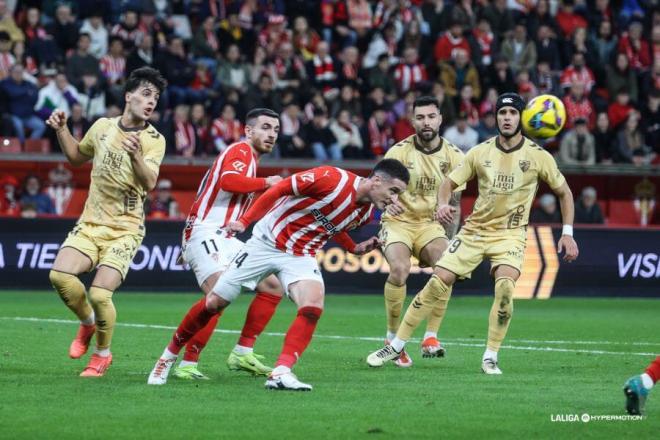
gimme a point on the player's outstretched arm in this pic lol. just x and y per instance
(566, 242)
(145, 175)
(445, 212)
(69, 145)
(265, 202)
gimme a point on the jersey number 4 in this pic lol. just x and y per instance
(239, 260)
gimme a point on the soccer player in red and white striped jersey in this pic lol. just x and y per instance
(298, 216)
(225, 193)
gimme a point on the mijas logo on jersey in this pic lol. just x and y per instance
(524, 165)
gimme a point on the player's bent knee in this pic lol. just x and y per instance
(100, 297)
(399, 274)
(447, 277)
(215, 303)
(59, 279)
(312, 314)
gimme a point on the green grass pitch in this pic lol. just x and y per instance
(564, 356)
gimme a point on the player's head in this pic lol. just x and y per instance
(389, 179)
(426, 118)
(262, 125)
(142, 91)
(508, 110)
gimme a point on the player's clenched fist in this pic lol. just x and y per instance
(235, 227)
(131, 144)
(57, 120)
(367, 246)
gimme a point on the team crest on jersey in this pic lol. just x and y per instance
(410, 164)
(238, 166)
(524, 165)
(444, 167)
(307, 177)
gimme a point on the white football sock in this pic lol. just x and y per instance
(489, 354)
(281, 369)
(90, 320)
(168, 355)
(647, 381)
(105, 352)
(390, 335)
(239, 349)
(430, 335)
(398, 344)
(185, 363)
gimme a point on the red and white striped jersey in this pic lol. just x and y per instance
(214, 205)
(323, 204)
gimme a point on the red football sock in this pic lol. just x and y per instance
(258, 316)
(299, 335)
(196, 318)
(195, 346)
(653, 370)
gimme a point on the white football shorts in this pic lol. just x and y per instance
(256, 260)
(208, 251)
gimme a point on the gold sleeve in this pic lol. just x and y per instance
(456, 160)
(87, 144)
(464, 171)
(153, 149)
(549, 172)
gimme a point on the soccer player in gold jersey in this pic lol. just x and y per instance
(508, 168)
(126, 153)
(409, 227)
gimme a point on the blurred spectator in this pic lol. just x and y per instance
(290, 141)
(578, 106)
(410, 73)
(9, 205)
(322, 71)
(226, 129)
(359, 17)
(447, 108)
(32, 195)
(91, 97)
(142, 55)
(60, 186)
(380, 76)
(347, 135)
(500, 76)
(64, 30)
(113, 65)
(467, 105)
(317, 134)
(577, 147)
(381, 136)
(631, 147)
(38, 41)
(263, 95)
(621, 77)
(22, 96)
(547, 48)
(500, 18)
(451, 40)
(461, 134)
(349, 100)
(7, 59)
(206, 45)
(635, 47)
(288, 69)
(403, 125)
(604, 139)
(77, 123)
(580, 43)
(82, 62)
(383, 42)
(98, 34)
(200, 122)
(578, 72)
(231, 31)
(127, 29)
(274, 34)
(183, 142)
(305, 39)
(413, 37)
(650, 80)
(179, 72)
(459, 72)
(546, 82)
(23, 58)
(486, 42)
(605, 43)
(349, 70)
(587, 209)
(568, 20)
(620, 109)
(487, 126)
(57, 94)
(542, 16)
(232, 73)
(519, 51)
(161, 204)
(547, 211)
(651, 122)
(7, 23)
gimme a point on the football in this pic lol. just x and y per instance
(544, 117)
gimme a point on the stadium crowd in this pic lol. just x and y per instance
(343, 75)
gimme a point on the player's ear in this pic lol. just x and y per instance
(248, 131)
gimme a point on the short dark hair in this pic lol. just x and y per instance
(393, 169)
(253, 114)
(426, 100)
(142, 75)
